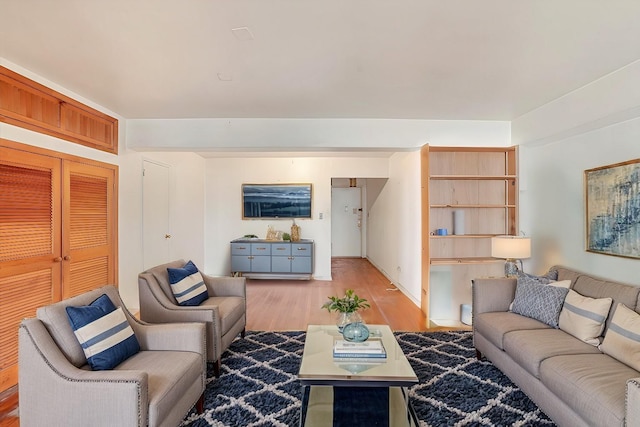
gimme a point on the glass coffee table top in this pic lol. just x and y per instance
(318, 367)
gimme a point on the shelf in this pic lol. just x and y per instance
(472, 206)
(473, 177)
(458, 261)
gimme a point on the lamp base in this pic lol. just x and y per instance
(511, 267)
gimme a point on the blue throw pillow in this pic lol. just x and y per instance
(187, 285)
(104, 333)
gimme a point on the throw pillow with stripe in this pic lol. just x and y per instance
(622, 340)
(187, 285)
(584, 317)
(104, 333)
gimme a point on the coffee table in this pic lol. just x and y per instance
(354, 391)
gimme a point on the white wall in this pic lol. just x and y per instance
(553, 206)
(596, 125)
(223, 218)
(311, 134)
(394, 226)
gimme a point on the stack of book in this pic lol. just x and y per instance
(370, 349)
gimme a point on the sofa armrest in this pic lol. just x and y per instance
(632, 416)
(80, 397)
(226, 286)
(492, 294)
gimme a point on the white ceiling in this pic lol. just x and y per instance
(405, 59)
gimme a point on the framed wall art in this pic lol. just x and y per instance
(276, 201)
(613, 209)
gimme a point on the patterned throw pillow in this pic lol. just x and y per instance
(539, 301)
(622, 340)
(548, 279)
(584, 317)
(188, 285)
(104, 333)
(550, 276)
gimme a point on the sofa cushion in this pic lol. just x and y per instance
(598, 288)
(593, 385)
(623, 337)
(104, 333)
(169, 374)
(529, 348)
(162, 277)
(187, 285)
(539, 301)
(494, 325)
(584, 317)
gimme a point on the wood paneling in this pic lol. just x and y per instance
(58, 235)
(28, 104)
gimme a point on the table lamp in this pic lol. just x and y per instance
(512, 249)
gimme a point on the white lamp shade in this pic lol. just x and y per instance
(510, 247)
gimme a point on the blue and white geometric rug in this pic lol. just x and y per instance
(258, 384)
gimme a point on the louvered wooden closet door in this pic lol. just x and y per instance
(89, 238)
(30, 246)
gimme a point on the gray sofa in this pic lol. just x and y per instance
(573, 382)
(155, 387)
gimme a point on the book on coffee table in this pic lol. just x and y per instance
(366, 349)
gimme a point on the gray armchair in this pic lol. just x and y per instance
(224, 312)
(155, 387)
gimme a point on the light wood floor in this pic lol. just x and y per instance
(288, 305)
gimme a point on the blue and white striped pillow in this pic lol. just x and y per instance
(104, 333)
(187, 285)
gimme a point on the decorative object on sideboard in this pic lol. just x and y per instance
(295, 232)
(512, 249)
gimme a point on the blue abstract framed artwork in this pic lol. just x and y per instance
(613, 209)
(276, 201)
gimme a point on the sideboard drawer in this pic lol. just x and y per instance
(240, 249)
(301, 249)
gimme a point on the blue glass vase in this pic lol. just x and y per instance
(355, 332)
(346, 318)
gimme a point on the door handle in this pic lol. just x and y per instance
(167, 236)
(67, 258)
(57, 259)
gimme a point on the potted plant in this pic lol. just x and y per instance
(347, 306)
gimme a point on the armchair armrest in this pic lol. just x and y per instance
(632, 415)
(226, 286)
(172, 336)
(492, 294)
(48, 379)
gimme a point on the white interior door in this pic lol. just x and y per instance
(156, 231)
(346, 222)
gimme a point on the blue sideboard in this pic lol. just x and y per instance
(272, 259)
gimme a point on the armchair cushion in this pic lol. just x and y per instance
(103, 332)
(187, 285)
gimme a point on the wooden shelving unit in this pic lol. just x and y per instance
(482, 183)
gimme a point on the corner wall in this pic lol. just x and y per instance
(394, 226)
